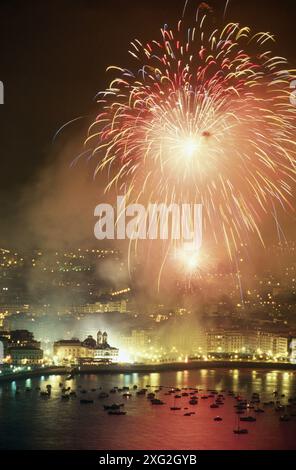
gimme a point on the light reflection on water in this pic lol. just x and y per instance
(27, 421)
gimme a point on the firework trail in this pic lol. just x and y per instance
(226, 7)
(205, 118)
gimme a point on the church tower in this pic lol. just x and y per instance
(99, 338)
(105, 338)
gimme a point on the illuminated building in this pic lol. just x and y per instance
(23, 338)
(25, 355)
(280, 346)
(215, 342)
(89, 342)
(235, 342)
(137, 341)
(103, 351)
(1, 352)
(4, 339)
(267, 343)
(20, 347)
(88, 351)
(71, 350)
(113, 306)
(254, 342)
(293, 351)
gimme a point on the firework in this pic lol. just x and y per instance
(205, 118)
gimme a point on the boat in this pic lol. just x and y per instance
(127, 395)
(103, 395)
(175, 408)
(241, 431)
(113, 407)
(156, 402)
(193, 402)
(86, 402)
(259, 410)
(178, 397)
(218, 419)
(151, 396)
(142, 392)
(117, 413)
(285, 418)
(65, 397)
(248, 419)
(214, 406)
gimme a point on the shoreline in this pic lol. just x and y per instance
(146, 368)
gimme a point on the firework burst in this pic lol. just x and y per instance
(206, 118)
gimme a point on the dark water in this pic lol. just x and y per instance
(29, 422)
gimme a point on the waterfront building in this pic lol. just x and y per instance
(71, 350)
(23, 338)
(216, 342)
(88, 351)
(293, 351)
(103, 351)
(280, 346)
(235, 342)
(89, 342)
(250, 342)
(20, 347)
(1, 352)
(23, 355)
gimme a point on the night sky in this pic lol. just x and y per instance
(53, 60)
